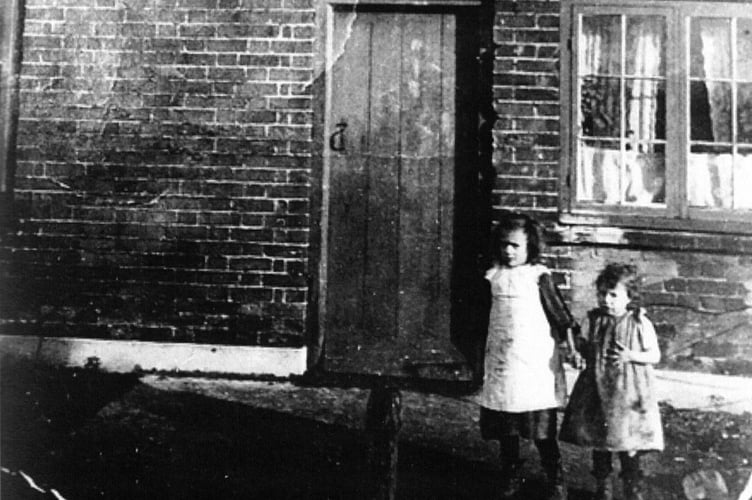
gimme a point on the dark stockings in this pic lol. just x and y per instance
(550, 458)
(630, 466)
(509, 451)
(631, 472)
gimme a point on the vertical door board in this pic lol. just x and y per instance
(382, 270)
(347, 176)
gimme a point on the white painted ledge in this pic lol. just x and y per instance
(699, 391)
(125, 356)
(678, 388)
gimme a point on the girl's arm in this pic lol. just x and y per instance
(625, 355)
(561, 320)
(563, 325)
(573, 349)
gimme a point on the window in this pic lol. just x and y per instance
(657, 112)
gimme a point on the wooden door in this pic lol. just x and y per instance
(391, 166)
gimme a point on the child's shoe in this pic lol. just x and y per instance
(511, 480)
(556, 492)
(604, 489)
(556, 489)
(633, 489)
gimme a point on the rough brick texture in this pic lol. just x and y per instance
(163, 175)
(526, 99)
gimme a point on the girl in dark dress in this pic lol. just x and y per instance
(613, 408)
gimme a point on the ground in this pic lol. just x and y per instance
(88, 434)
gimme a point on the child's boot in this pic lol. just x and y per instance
(602, 469)
(511, 466)
(511, 479)
(632, 477)
(633, 489)
(604, 488)
(555, 488)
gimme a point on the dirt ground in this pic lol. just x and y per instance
(87, 434)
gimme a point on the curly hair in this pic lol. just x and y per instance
(512, 222)
(616, 273)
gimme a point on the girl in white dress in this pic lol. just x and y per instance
(523, 383)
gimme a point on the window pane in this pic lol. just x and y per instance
(710, 48)
(606, 174)
(743, 179)
(599, 171)
(744, 49)
(645, 175)
(600, 107)
(709, 177)
(710, 111)
(646, 42)
(600, 45)
(646, 109)
(744, 113)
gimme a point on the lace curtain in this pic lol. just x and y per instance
(715, 176)
(612, 170)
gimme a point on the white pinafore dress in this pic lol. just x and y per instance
(523, 371)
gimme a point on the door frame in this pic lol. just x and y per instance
(322, 129)
(12, 14)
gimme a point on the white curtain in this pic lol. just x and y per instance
(711, 174)
(647, 40)
(710, 180)
(716, 55)
(600, 46)
(742, 181)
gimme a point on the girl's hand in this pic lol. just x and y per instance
(576, 360)
(571, 356)
(618, 353)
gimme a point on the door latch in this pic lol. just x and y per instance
(337, 139)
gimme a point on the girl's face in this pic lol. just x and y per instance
(614, 300)
(514, 248)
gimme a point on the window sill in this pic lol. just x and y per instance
(652, 233)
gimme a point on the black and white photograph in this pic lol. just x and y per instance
(376, 249)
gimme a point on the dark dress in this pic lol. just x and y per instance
(613, 407)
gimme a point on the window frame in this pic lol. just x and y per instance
(676, 214)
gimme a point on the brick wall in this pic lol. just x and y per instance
(166, 170)
(163, 181)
